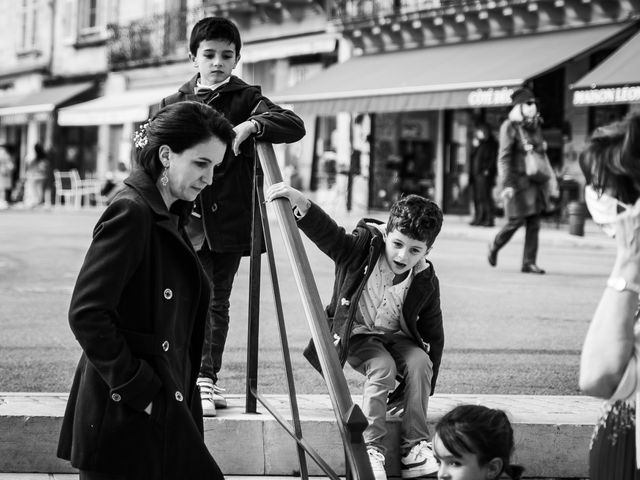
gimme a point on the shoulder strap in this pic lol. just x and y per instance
(523, 138)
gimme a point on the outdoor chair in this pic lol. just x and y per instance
(90, 188)
(66, 184)
(73, 189)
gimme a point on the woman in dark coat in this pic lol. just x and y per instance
(524, 200)
(138, 311)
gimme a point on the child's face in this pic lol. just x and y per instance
(403, 252)
(465, 467)
(215, 60)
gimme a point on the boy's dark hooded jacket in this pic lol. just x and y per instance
(355, 255)
(225, 205)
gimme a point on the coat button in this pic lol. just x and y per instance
(178, 396)
(168, 294)
(165, 346)
(214, 207)
(116, 397)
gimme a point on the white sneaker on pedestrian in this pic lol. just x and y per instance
(419, 462)
(205, 385)
(376, 458)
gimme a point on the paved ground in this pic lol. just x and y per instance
(506, 332)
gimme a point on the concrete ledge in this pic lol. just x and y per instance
(552, 433)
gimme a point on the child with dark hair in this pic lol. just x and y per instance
(474, 442)
(220, 228)
(138, 310)
(384, 315)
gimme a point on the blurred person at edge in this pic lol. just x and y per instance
(6, 176)
(36, 177)
(610, 354)
(483, 175)
(139, 309)
(524, 200)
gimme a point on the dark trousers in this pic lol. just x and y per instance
(221, 269)
(532, 225)
(482, 200)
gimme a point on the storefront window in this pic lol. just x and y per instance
(80, 149)
(403, 156)
(459, 130)
(605, 114)
(324, 167)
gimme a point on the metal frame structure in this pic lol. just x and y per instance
(350, 419)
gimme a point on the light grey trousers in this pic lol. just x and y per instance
(380, 360)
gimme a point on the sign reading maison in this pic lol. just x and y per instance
(601, 96)
(482, 97)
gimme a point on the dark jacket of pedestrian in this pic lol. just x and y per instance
(142, 291)
(355, 256)
(484, 160)
(529, 197)
(226, 204)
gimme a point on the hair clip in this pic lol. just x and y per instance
(140, 139)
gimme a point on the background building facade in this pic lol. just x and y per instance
(390, 90)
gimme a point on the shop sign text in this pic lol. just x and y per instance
(483, 97)
(598, 96)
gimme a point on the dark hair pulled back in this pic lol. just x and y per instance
(485, 432)
(181, 126)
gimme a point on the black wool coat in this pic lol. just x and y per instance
(138, 311)
(226, 204)
(355, 256)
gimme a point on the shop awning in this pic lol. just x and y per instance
(289, 47)
(615, 80)
(41, 101)
(114, 109)
(481, 73)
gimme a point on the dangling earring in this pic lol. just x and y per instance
(164, 179)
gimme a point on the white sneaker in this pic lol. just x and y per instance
(205, 385)
(218, 399)
(419, 462)
(376, 458)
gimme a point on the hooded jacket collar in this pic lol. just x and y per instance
(232, 85)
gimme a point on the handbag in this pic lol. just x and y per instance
(537, 166)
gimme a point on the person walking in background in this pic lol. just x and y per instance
(37, 176)
(484, 156)
(474, 442)
(392, 324)
(611, 350)
(6, 177)
(220, 229)
(524, 200)
(139, 309)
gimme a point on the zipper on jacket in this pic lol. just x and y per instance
(352, 311)
(214, 97)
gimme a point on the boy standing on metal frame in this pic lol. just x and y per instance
(220, 227)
